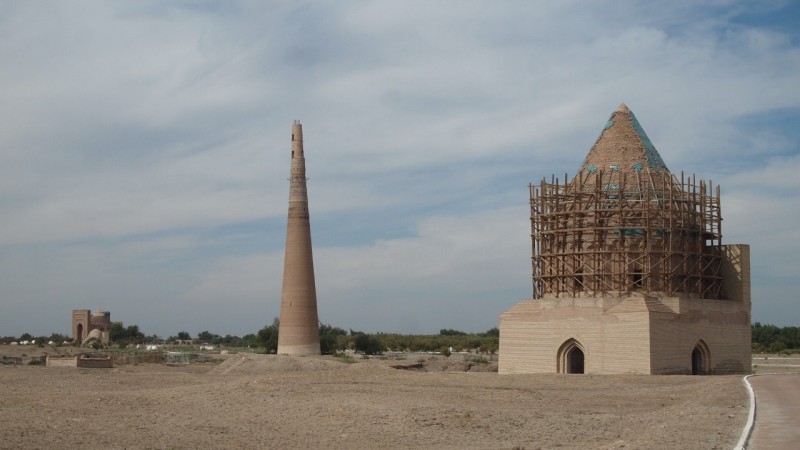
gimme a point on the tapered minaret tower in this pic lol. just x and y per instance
(299, 328)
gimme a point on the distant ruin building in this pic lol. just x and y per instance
(298, 333)
(629, 271)
(88, 325)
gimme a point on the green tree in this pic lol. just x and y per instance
(58, 338)
(329, 339)
(250, 340)
(206, 336)
(367, 344)
(770, 335)
(450, 332)
(267, 337)
(130, 335)
(492, 332)
(133, 335)
(117, 332)
(184, 335)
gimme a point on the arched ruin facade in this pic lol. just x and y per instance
(85, 322)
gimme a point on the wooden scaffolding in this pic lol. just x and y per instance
(609, 233)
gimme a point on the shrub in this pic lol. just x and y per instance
(367, 344)
(777, 347)
(345, 358)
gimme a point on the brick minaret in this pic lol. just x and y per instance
(299, 326)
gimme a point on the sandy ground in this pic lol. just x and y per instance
(260, 401)
(776, 364)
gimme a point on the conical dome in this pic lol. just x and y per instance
(623, 147)
(625, 223)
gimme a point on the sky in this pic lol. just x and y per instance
(145, 145)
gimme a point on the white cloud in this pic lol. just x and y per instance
(144, 131)
(467, 267)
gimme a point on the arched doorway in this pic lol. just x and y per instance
(79, 333)
(700, 359)
(571, 357)
(575, 360)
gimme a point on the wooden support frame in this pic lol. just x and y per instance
(611, 233)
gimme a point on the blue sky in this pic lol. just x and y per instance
(144, 149)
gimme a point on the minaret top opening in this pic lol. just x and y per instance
(297, 140)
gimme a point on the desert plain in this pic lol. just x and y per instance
(253, 401)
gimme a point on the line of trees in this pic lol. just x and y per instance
(765, 339)
(487, 342)
(57, 338)
(772, 339)
(334, 339)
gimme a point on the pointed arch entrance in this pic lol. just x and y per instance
(571, 357)
(79, 332)
(701, 359)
